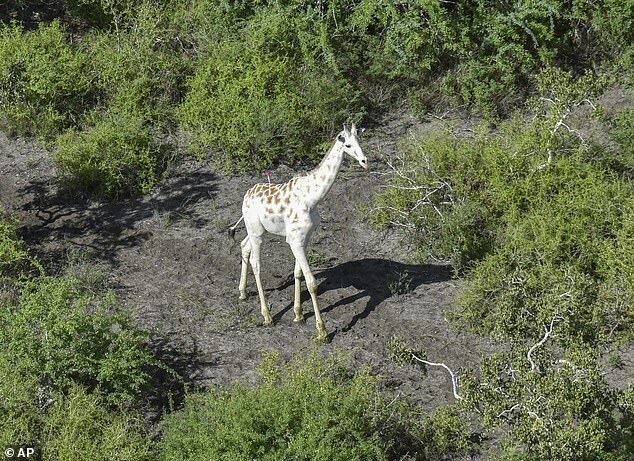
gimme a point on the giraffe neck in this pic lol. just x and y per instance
(321, 179)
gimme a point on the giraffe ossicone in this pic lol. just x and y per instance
(290, 210)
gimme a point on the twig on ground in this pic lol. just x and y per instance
(454, 378)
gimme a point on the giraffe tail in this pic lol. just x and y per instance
(232, 229)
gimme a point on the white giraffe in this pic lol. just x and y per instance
(290, 210)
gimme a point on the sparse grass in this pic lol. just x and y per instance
(399, 284)
(86, 267)
(217, 317)
(315, 258)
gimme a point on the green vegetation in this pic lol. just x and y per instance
(255, 83)
(63, 336)
(534, 212)
(537, 217)
(71, 369)
(298, 412)
(74, 369)
(14, 257)
(308, 409)
(551, 406)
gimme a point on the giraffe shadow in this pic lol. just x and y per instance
(374, 279)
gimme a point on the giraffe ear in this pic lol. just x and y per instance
(353, 129)
(346, 130)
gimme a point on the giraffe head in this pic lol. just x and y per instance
(350, 141)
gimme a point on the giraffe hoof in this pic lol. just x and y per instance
(243, 296)
(321, 338)
(299, 319)
(267, 322)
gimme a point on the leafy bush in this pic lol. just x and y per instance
(506, 44)
(71, 365)
(45, 85)
(310, 408)
(264, 94)
(116, 156)
(137, 72)
(78, 425)
(119, 147)
(70, 425)
(549, 259)
(14, 257)
(614, 24)
(623, 133)
(305, 411)
(550, 407)
(60, 334)
(114, 94)
(400, 41)
(20, 398)
(454, 195)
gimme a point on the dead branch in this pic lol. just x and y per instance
(547, 332)
(454, 378)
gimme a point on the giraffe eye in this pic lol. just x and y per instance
(348, 146)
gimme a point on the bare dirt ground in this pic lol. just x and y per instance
(169, 259)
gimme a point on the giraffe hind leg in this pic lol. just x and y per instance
(255, 266)
(297, 304)
(245, 246)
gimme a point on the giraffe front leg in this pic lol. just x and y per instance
(245, 247)
(311, 283)
(297, 304)
(255, 266)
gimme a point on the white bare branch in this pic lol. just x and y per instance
(509, 410)
(547, 332)
(454, 378)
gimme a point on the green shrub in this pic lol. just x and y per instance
(557, 407)
(443, 433)
(77, 425)
(622, 132)
(119, 147)
(532, 217)
(114, 157)
(264, 94)
(64, 426)
(548, 260)
(14, 257)
(613, 22)
(615, 294)
(45, 85)
(399, 40)
(138, 72)
(103, 13)
(63, 336)
(114, 93)
(20, 397)
(453, 195)
(306, 411)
